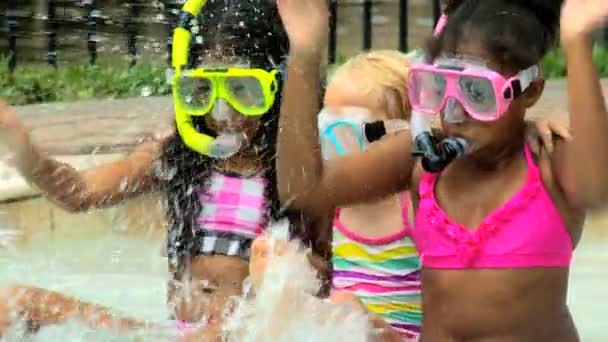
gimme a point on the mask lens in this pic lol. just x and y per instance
(341, 138)
(194, 92)
(428, 90)
(246, 91)
(478, 93)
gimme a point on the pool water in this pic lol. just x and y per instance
(129, 275)
(126, 274)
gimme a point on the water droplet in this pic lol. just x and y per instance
(123, 185)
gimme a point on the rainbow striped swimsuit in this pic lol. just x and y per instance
(383, 273)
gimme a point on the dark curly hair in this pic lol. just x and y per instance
(250, 29)
(516, 33)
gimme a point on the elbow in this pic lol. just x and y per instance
(73, 207)
(76, 202)
(590, 200)
(589, 196)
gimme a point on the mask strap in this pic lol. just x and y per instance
(527, 76)
(522, 80)
(282, 68)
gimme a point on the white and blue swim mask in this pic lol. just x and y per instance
(345, 130)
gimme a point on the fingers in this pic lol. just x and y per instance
(546, 138)
(534, 142)
(561, 130)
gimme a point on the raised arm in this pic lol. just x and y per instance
(303, 181)
(582, 164)
(64, 185)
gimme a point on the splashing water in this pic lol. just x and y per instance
(76, 332)
(284, 308)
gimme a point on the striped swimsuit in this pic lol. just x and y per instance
(383, 273)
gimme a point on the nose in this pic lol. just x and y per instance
(454, 112)
(222, 111)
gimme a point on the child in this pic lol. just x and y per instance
(505, 278)
(217, 171)
(373, 256)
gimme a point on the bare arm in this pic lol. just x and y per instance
(98, 187)
(41, 307)
(303, 181)
(582, 164)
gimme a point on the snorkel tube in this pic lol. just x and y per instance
(434, 155)
(204, 144)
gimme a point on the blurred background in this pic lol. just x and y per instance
(127, 42)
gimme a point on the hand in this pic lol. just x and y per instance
(580, 17)
(11, 128)
(164, 134)
(541, 132)
(306, 23)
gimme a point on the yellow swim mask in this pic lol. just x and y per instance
(250, 92)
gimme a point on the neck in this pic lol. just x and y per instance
(374, 209)
(491, 159)
(245, 161)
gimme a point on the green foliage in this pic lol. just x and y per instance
(42, 83)
(554, 64)
(38, 83)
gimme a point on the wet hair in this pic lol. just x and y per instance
(251, 30)
(515, 33)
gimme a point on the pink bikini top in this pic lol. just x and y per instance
(526, 231)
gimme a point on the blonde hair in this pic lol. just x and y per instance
(384, 69)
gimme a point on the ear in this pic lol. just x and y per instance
(396, 105)
(532, 94)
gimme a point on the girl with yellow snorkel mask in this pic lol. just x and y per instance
(218, 171)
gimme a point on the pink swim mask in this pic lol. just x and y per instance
(484, 94)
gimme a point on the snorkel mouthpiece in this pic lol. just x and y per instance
(434, 155)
